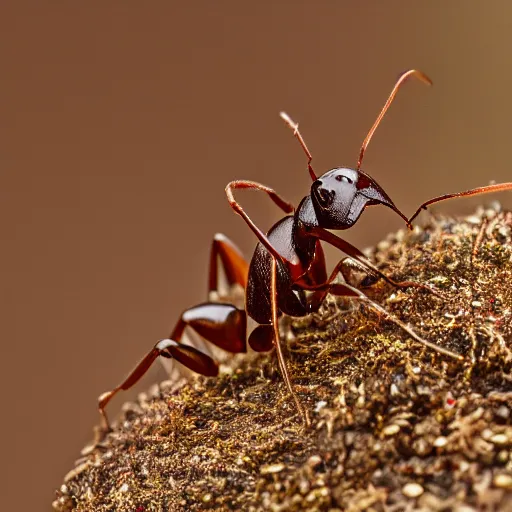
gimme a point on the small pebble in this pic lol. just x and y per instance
(502, 456)
(384, 245)
(439, 280)
(304, 487)
(503, 480)
(500, 439)
(317, 493)
(320, 405)
(272, 468)
(400, 235)
(423, 390)
(486, 434)
(473, 219)
(440, 442)
(123, 488)
(504, 231)
(464, 466)
(412, 490)
(314, 461)
(503, 412)
(391, 430)
(422, 447)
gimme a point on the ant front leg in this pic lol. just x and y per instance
(266, 336)
(277, 342)
(278, 200)
(261, 336)
(354, 253)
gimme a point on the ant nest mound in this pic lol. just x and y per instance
(395, 425)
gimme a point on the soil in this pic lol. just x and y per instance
(395, 426)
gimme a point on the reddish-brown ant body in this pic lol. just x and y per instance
(287, 273)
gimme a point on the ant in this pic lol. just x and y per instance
(287, 273)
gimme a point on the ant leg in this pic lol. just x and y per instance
(222, 324)
(357, 255)
(346, 290)
(236, 268)
(277, 342)
(315, 300)
(317, 271)
(278, 200)
(284, 205)
(189, 356)
(499, 187)
(347, 265)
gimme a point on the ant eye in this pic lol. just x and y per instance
(346, 179)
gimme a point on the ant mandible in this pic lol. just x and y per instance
(288, 262)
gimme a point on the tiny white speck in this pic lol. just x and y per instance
(320, 405)
(440, 442)
(473, 219)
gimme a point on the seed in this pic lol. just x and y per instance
(272, 468)
(391, 430)
(412, 490)
(499, 439)
(503, 480)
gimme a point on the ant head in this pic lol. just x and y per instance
(340, 196)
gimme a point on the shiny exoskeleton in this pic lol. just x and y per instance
(287, 273)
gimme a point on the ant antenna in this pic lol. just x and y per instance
(295, 127)
(412, 72)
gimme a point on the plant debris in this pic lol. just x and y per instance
(395, 426)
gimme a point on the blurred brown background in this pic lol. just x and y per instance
(121, 123)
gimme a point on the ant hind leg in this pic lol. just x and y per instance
(234, 266)
(221, 324)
